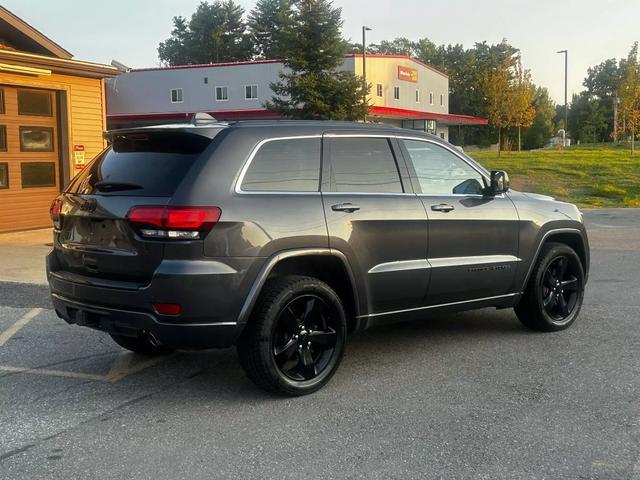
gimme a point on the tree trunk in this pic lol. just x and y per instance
(519, 139)
(633, 140)
(499, 141)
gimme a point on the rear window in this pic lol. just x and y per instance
(141, 164)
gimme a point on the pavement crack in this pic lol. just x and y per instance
(11, 453)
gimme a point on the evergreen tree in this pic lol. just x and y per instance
(215, 33)
(312, 85)
(269, 23)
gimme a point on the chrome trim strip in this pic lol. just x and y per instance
(401, 265)
(247, 164)
(394, 312)
(473, 260)
(194, 267)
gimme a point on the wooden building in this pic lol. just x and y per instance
(52, 115)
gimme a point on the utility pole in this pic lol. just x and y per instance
(566, 107)
(365, 29)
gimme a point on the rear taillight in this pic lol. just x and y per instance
(178, 223)
(56, 213)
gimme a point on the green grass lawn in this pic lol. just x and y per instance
(590, 176)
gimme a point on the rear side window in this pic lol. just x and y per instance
(284, 165)
(364, 165)
(141, 164)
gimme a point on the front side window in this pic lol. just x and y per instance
(251, 92)
(440, 172)
(286, 165)
(396, 93)
(362, 165)
(176, 95)
(222, 94)
(33, 102)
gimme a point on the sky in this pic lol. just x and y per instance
(592, 31)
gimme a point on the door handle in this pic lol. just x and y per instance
(345, 207)
(442, 207)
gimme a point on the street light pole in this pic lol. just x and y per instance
(365, 29)
(566, 109)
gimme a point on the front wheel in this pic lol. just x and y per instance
(294, 341)
(554, 294)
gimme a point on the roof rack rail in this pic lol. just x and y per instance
(202, 118)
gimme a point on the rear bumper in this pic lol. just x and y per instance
(210, 294)
(131, 323)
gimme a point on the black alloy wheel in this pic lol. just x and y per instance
(295, 338)
(305, 337)
(560, 288)
(553, 296)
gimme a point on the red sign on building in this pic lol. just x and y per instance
(407, 74)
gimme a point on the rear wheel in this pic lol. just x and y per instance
(554, 294)
(142, 344)
(295, 338)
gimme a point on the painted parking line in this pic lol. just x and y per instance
(16, 327)
(52, 373)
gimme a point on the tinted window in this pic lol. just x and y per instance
(439, 171)
(363, 165)
(38, 174)
(285, 165)
(147, 164)
(34, 103)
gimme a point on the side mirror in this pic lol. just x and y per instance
(499, 182)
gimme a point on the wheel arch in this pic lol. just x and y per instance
(573, 237)
(328, 265)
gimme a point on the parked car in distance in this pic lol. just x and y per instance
(284, 237)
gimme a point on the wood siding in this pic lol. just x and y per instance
(24, 208)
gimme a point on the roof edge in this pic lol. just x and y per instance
(33, 33)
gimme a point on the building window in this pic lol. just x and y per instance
(176, 95)
(396, 93)
(222, 94)
(430, 98)
(3, 138)
(442, 99)
(442, 135)
(417, 95)
(250, 92)
(4, 175)
(36, 139)
(31, 102)
(1, 101)
(431, 126)
(206, 80)
(38, 174)
(379, 89)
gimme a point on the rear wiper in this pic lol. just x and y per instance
(106, 186)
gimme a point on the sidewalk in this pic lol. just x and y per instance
(22, 256)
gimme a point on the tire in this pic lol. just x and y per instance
(555, 291)
(141, 344)
(295, 338)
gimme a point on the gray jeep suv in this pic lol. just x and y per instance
(283, 237)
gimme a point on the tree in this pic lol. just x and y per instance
(312, 86)
(521, 94)
(542, 128)
(629, 118)
(496, 86)
(216, 32)
(268, 24)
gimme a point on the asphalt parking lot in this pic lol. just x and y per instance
(471, 395)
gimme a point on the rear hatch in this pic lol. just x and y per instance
(94, 239)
